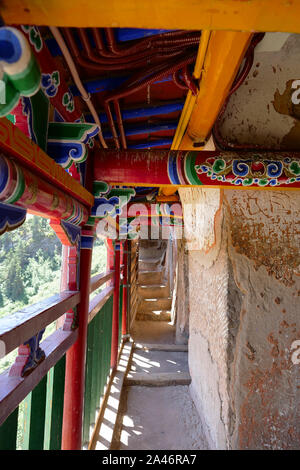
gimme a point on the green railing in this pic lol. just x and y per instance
(31, 406)
(97, 364)
(36, 424)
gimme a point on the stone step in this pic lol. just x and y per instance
(146, 244)
(153, 291)
(161, 347)
(153, 304)
(150, 265)
(150, 277)
(161, 379)
(151, 253)
(159, 315)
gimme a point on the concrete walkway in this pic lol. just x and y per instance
(157, 411)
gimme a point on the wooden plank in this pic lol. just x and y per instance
(13, 390)
(134, 266)
(100, 279)
(88, 383)
(240, 15)
(34, 417)
(117, 379)
(133, 287)
(98, 301)
(95, 366)
(108, 335)
(54, 405)
(8, 432)
(100, 375)
(17, 328)
(105, 367)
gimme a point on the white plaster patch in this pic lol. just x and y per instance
(296, 354)
(2, 349)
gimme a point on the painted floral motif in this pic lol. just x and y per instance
(34, 37)
(50, 83)
(68, 102)
(252, 171)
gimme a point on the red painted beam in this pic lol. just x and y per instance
(239, 169)
(25, 189)
(16, 144)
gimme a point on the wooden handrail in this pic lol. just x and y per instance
(19, 327)
(98, 301)
(13, 390)
(100, 279)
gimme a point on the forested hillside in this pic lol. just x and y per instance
(30, 269)
(30, 260)
(30, 264)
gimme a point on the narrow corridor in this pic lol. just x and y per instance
(157, 411)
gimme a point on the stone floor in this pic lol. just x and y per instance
(158, 417)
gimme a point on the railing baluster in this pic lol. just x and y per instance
(106, 330)
(88, 384)
(34, 417)
(120, 311)
(8, 432)
(54, 405)
(109, 332)
(101, 353)
(98, 364)
(94, 373)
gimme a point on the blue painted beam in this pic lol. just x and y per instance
(108, 84)
(144, 129)
(143, 112)
(154, 143)
(130, 34)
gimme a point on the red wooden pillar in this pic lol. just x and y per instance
(75, 357)
(125, 287)
(69, 268)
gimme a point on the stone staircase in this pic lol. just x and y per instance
(153, 288)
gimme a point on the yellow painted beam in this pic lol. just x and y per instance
(224, 54)
(238, 15)
(191, 99)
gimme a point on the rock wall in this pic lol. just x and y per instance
(244, 324)
(264, 250)
(182, 307)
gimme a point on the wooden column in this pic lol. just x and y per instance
(76, 355)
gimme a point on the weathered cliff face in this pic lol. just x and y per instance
(264, 250)
(182, 294)
(208, 328)
(244, 325)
